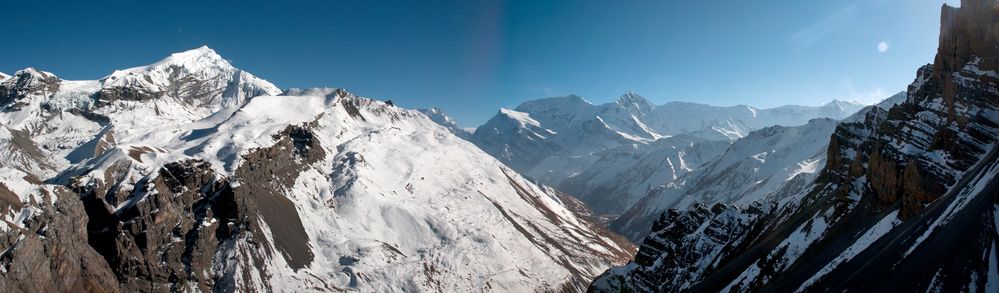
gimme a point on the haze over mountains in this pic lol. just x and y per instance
(190, 174)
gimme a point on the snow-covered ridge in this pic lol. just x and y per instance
(767, 165)
(202, 61)
(435, 114)
(566, 135)
(309, 189)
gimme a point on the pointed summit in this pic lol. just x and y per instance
(202, 61)
(199, 56)
(634, 102)
(33, 78)
(31, 71)
(195, 83)
(437, 116)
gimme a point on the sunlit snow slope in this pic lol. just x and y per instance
(192, 175)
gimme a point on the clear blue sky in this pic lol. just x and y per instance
(472, 57)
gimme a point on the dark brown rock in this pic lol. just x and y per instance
(50, 253)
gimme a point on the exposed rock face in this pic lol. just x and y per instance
(686, 243)
(49, 252)
(905, 202)
(26, 82)
(157, 241)
(169, 232)
(263, 178)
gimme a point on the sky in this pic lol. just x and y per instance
(471, 58)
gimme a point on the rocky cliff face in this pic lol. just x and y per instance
(907, 199)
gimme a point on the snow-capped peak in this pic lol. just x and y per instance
(187, 85)
(33, 72)
(631, 98)
(29, 77)
(4, 76)
(437, 116)
(843, 105)
(635, 104)
(202, 60)
(889, 102)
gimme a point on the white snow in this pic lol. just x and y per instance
(14, 180)
(806, 167)
(395, 191)
(524, 118)
(74, 94)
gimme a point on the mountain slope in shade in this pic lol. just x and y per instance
(907, 200)
(622, 176)
(773, 162)
(192, 175)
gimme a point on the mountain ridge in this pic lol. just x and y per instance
(191, 174)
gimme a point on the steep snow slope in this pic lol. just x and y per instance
(441, 119)
(624, 175)
(906, 202)
(772, 162)
(193, 175)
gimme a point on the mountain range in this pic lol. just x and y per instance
(191, 175)
(592, 150)
(907, 199)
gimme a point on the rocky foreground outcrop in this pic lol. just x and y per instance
(908, 199)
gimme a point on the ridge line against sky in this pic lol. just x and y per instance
(470, 59)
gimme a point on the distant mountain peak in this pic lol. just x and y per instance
(31, 71)
(630, 99)
(29, 77)
(844, 105)
(843, 102)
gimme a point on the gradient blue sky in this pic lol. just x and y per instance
(472, 57)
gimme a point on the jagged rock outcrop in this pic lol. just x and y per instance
(906, 202)
(49, 251)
